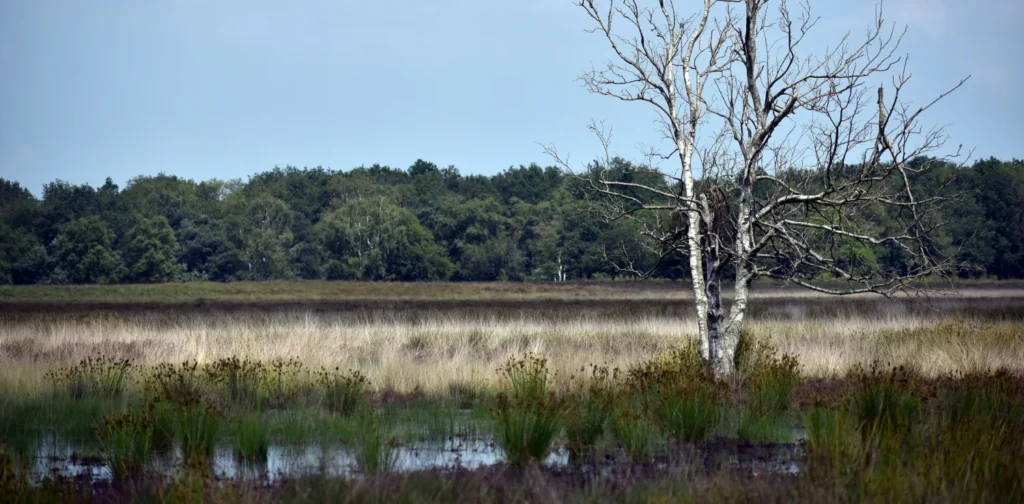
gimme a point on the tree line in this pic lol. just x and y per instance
(422, 223)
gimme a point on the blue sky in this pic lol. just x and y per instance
(208, 88)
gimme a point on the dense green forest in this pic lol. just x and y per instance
(422, 223)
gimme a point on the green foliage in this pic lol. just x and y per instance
(196, 428)
(832, 442)
(83, 254)
(180, 385)
(378, 240)
(770, 383)
(261, 235)
(152, 251)
(431, 223)
(885, 404)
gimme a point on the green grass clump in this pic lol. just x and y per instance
(243, 380)
(180, 385)
(771, 381)
(589, 405)
(764, 428)
(831, 439)
(343, 392)
(635, 431)
(127, 440)
(196, 428)
(884, 404)
(99, 376)
(253, 439)
(528, 418)
(679, 394)
(687, 415)
(376, 446)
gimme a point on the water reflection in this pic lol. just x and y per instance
(59, 460)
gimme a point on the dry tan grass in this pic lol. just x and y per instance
(436, 352)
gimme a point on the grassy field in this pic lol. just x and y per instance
(857, 399)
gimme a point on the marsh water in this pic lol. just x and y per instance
(54, 459)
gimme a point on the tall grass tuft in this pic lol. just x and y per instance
(98, 376)
(588, 407)
(635, 432)
(243, 380)
(196, 427)
(376, 452)
(253, 439)
(770, 380)
(885, 403)
(127, 440)
(528, 417)
(284, 377)
(180, 385)
(679, 393)
(832, 443)
(343, 391)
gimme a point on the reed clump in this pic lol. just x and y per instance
(528, 416)
(127, 440)
(93, 376)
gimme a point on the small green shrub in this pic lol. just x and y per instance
(127, 441)
(343, 391)
(98, 376)
(679, 393)
(678, 367)
(525, 378)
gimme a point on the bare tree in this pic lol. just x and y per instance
(781, 159)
